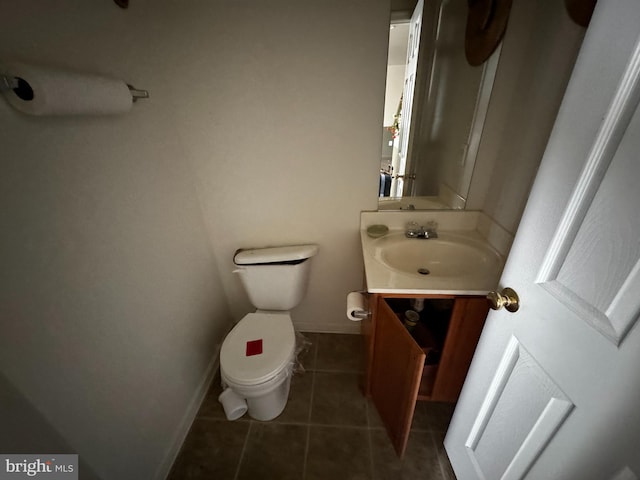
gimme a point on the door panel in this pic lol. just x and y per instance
(593, 264)
(563, 404)
(518, 417)
(395, 375)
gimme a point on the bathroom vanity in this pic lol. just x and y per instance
(429, 362)
(425, 360)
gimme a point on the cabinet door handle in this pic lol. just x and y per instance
(507, 298)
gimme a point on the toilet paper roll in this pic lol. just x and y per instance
(46, 91)
(355, 306)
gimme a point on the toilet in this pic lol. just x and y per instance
(257, 356)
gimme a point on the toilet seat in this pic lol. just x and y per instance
(258, 348)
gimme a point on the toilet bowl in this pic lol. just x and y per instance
(257, 356)
(256, 362)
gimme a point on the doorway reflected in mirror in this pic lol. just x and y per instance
(435, 107)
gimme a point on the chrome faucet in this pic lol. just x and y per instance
(413, 230)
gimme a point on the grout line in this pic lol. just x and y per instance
(301, 424)
(315, 353)
(313, 388)
(306, 447)
(371, 464)
(244, 447)
(313, 381)
(313, 424)
(306, 453)
(367, 409)
(326, 370)
(348, 427)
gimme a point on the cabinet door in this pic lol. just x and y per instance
(467, 320)
(395, 375)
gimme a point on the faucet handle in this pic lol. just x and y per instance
(430, 229)
(412, 229)
(411, 226)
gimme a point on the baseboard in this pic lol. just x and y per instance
(187, 419)
(343, 327)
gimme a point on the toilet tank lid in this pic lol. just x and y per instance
(291, 253)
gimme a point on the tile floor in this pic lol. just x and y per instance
(328, 430)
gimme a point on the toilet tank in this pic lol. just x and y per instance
(275, 278)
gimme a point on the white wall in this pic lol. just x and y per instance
(112, 307)
(538, 53)
(264, 120)
(282, 118)
(25, 430)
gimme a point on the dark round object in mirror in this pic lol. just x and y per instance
(580, 11)
(122, 3)
(486, 25)
(23, 90)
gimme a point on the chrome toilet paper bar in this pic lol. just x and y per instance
(360, 314)
(137, 93)
(357, 306)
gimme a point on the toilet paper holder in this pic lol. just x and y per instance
(136, 93)
(357, 308)
(10, 82)
(361, 314)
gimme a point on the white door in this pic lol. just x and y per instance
(408, 91)
(554, 389)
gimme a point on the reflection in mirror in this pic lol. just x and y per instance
(467, 121)
(429, 150)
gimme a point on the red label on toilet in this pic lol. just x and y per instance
(254, 347)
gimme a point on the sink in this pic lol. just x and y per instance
(461, 261)
(458, 262)
(449, 255)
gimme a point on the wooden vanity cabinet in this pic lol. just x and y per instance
(396, 374)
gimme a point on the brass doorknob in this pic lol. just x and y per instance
(507, 298)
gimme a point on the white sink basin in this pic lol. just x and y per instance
(457, 262)
(449, 255)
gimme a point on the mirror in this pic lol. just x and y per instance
(450, 134)
(450, 99)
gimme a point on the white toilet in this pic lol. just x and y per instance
(257, 356)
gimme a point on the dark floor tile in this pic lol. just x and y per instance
(438, 438)
(274, 451)
(307, 356)
(346, 439)
(373, 417)
(432, 416)
(212, 450)
(420, 460)
(338, 453)
(340, 353)
(337, 400)
(211, 407)
(298, 406)
(427, 416)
